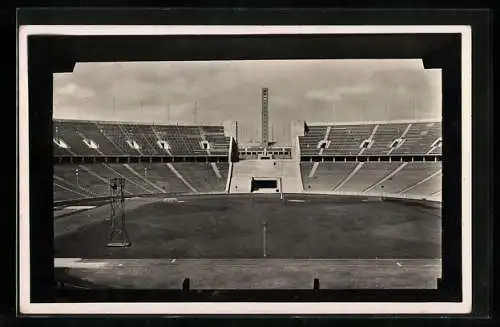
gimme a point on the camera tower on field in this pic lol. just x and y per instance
(118, 235)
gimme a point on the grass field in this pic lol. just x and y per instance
(217, 242)
(222, 227)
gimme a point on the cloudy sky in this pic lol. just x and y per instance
(214, 91)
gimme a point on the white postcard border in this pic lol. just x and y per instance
(27, 307)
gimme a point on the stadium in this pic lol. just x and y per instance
(352, 205)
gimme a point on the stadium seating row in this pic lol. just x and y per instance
(88, 181)
(84, 138)
(417, 138)
(406, 178)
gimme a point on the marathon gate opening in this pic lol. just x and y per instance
(266, 185)
(259, 184)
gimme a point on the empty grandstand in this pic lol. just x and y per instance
(419, 179)
(162, 159)
(77, 178)
(331, 180)
(383, 138)
(91, 180)
(86, 138)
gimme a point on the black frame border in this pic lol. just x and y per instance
(481, 123)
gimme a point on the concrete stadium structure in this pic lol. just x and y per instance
(386, 159)
(194, 193)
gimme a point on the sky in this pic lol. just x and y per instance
(188, 92)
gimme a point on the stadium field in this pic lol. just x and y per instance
(226, 227)
(218, 242)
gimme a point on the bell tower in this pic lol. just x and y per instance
(265, 117)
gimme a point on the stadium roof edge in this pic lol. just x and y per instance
(374, 122)
(132, 122)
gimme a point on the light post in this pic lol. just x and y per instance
(264, 232)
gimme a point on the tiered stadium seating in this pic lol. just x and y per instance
(419, 138)
(436, 151)
(368, 174)
(161, 176)
(133, 177)
(203, 177)
(112, 137)
(144, 136)
(309, 142)
(409, 175)
(185, 140)
(62, 193)
(413, 178)
(107, 171)
(151, 139)
(80, 180)
(93, 131)
(92, 180)
(192, 136)
(116, 135)
(327, 175)
(219, 144)
(347, 139)
(58, 151)
(384, 137)
(71, 134)
(431, 185)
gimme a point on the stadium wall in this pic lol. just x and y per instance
(376, 122)
(297, 128)
(233, 154)
(229, 177)
(149, 195)
(299, 171)
(377, 195)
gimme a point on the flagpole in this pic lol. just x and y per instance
(360, 111)
(168, 111)
(264, 238)
(195, 118)
(413, 108)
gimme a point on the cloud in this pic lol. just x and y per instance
(337, 94)
(231, 90)
(71, 89)
(356, 89)
(323, 95)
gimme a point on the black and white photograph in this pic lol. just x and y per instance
(248, 174)
(255, 174)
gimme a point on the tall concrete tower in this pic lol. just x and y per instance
(265, 117)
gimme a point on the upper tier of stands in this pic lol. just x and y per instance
(402, 138)
(92, 138)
